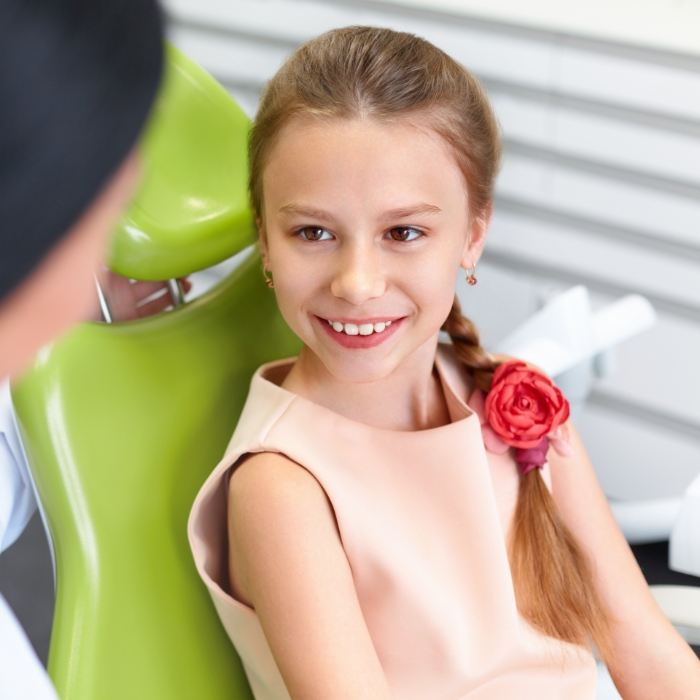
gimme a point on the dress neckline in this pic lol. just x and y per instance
(462, 411)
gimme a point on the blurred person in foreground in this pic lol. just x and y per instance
(77, 82)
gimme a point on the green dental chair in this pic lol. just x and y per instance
(122, 422)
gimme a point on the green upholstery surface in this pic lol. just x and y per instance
(191, 210)
(122, 423)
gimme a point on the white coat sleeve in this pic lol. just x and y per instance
(22, 675)
(17, 501)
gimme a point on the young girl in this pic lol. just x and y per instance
(395, 524)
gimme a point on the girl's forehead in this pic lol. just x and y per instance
(300, 132)
(359, 153)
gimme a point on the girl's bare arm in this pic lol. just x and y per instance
(286, 549)
(652, 660)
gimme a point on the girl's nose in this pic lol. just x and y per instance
(359, 277)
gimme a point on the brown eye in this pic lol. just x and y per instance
(316, 231)
(403, 238)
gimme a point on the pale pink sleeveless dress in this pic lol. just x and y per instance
(423, 517)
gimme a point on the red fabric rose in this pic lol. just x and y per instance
(523, 405)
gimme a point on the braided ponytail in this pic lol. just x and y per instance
(552, 577)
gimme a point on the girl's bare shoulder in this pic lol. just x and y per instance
(284, 541)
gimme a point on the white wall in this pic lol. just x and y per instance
(600, 185)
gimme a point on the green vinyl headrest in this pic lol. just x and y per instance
(191, 209)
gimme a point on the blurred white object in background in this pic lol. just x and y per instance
(648, 520)
(684, 545)
(572, 343)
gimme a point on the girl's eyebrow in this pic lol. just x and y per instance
(397, 213)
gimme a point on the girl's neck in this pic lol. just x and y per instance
(410, 398)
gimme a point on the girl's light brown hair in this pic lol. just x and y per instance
(378, 73)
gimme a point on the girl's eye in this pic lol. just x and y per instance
(317, 232)
(314, 229)
(407, 228)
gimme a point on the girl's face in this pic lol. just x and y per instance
(363, 222)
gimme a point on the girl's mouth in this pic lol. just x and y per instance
(360, 341)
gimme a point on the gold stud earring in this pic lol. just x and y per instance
(268, 280)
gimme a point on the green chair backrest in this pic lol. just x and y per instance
(123, 422)
(191, 210)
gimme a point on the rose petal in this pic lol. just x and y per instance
(534, 456)
(500, 427)
(534, 433)
(505, 368)
(525, 444)
(563, 447)
(523, 421)
(513, 378)
(561, 441)
(489, 399)
(506, 394)
(562, 415)
(492, 442)
(545, 389)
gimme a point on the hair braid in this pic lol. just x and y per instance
(550, 572)
(466, 340)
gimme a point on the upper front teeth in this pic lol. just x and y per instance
(362, 329)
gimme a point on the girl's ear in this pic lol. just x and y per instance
(476, 239)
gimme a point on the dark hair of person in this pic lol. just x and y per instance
(77, 82)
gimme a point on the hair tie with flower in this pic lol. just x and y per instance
(524, 409)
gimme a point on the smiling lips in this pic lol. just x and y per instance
(364, 335)
(358, 329)
(361, 321)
